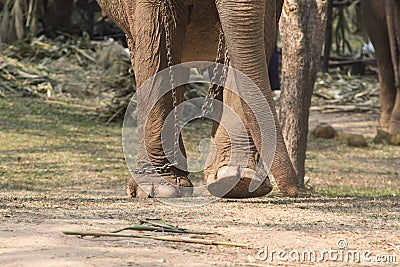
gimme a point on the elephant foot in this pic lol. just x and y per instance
(236, 182)
(160, 187)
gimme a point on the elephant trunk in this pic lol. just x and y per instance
(243, 25)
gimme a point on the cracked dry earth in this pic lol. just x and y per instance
(32, 225)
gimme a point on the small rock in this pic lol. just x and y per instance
(357, 140)
(382, 137)
(395, 140)
(324, 131)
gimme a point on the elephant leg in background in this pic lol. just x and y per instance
(376, 23)
(244, 29)
(392, 8)
(150, 57)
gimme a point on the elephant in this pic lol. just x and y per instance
(249, 28)
(381, 20)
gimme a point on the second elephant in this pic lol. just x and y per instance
(382, 22)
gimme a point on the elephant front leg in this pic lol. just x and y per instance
(156, 146)
(243, 26)
(234, 168)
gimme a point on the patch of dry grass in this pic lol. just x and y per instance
(335, 169)
(47, 146)
(55, 146)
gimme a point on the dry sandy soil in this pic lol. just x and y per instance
(277, 230)
(32, 224)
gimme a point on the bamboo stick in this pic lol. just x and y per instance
(141, 227)
(161, 238)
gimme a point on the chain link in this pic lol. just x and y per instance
(151, 170)
(215, 88)
(224, 75)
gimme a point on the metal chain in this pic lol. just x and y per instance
(224, 74)
(166, 20)
(147, 170)
(215, 88)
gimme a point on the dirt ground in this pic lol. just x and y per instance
(341, 231)
(32, 224)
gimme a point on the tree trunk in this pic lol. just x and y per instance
(302, 27)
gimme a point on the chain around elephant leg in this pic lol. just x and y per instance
(157, 175)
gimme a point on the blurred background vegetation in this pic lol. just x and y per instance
(41, 40)
(21, 19)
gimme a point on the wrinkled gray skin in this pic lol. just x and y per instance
(382, 22)
(249, 27)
